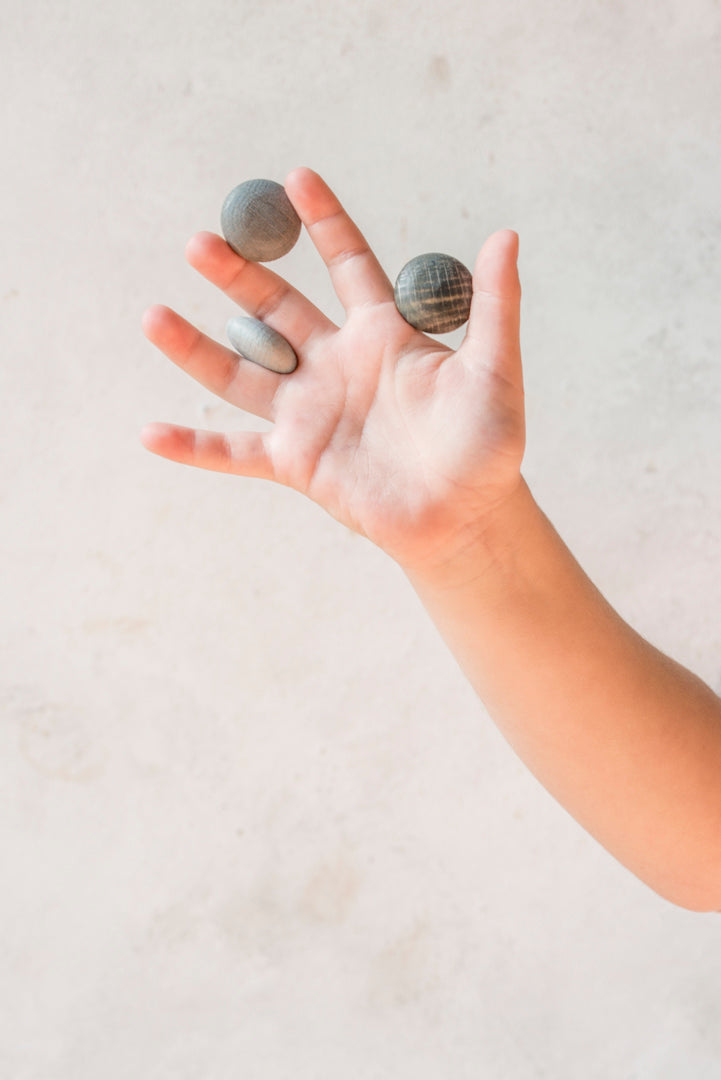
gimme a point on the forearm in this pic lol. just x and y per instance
(628, 741)
(384, 429)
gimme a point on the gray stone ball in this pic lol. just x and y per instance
(257, 341)
(433, 293)
(258, 220)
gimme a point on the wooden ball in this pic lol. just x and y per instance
(257, 341)
(433, 293)
(258, 220)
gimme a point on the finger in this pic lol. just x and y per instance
(258, 290)
(238, 381)
(357, 276)
(243, 453)
(495, 319)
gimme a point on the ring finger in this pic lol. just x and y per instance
(239, 382)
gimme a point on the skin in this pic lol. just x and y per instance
(419, 448)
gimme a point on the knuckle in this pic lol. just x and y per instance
(271, 301)
(347, 254)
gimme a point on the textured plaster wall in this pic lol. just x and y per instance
(254, 823)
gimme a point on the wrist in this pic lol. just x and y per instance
(484, 554)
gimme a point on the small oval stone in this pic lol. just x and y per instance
(433, 293)
(257, 341)
(258, 220)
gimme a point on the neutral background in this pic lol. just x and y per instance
(253, 821)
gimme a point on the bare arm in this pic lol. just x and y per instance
(419, 448)
(627, 740)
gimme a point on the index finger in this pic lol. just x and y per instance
(358, 278)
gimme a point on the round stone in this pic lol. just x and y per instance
(257, 341)
(433, 293)
(258, 220)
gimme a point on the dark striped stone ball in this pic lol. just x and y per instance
(258, 220)
(433, 293)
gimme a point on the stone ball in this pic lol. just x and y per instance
(258, 220)
(433, 293)
(257, 341)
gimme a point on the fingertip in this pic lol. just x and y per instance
(201, 246)
(512, 241)
(151, 319)
(496, 269)
(310, 195)
(299, 177)
(503, 244)
(168, 441)
(151, 436)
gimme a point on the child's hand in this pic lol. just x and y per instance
(397, 436)
(419, 449)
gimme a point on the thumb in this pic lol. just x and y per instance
(495, 320)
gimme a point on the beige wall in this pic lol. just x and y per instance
(254, 823)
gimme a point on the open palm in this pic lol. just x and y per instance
(397, 436)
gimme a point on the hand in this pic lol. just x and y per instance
(400, 438)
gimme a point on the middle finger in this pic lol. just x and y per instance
(258, 290)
